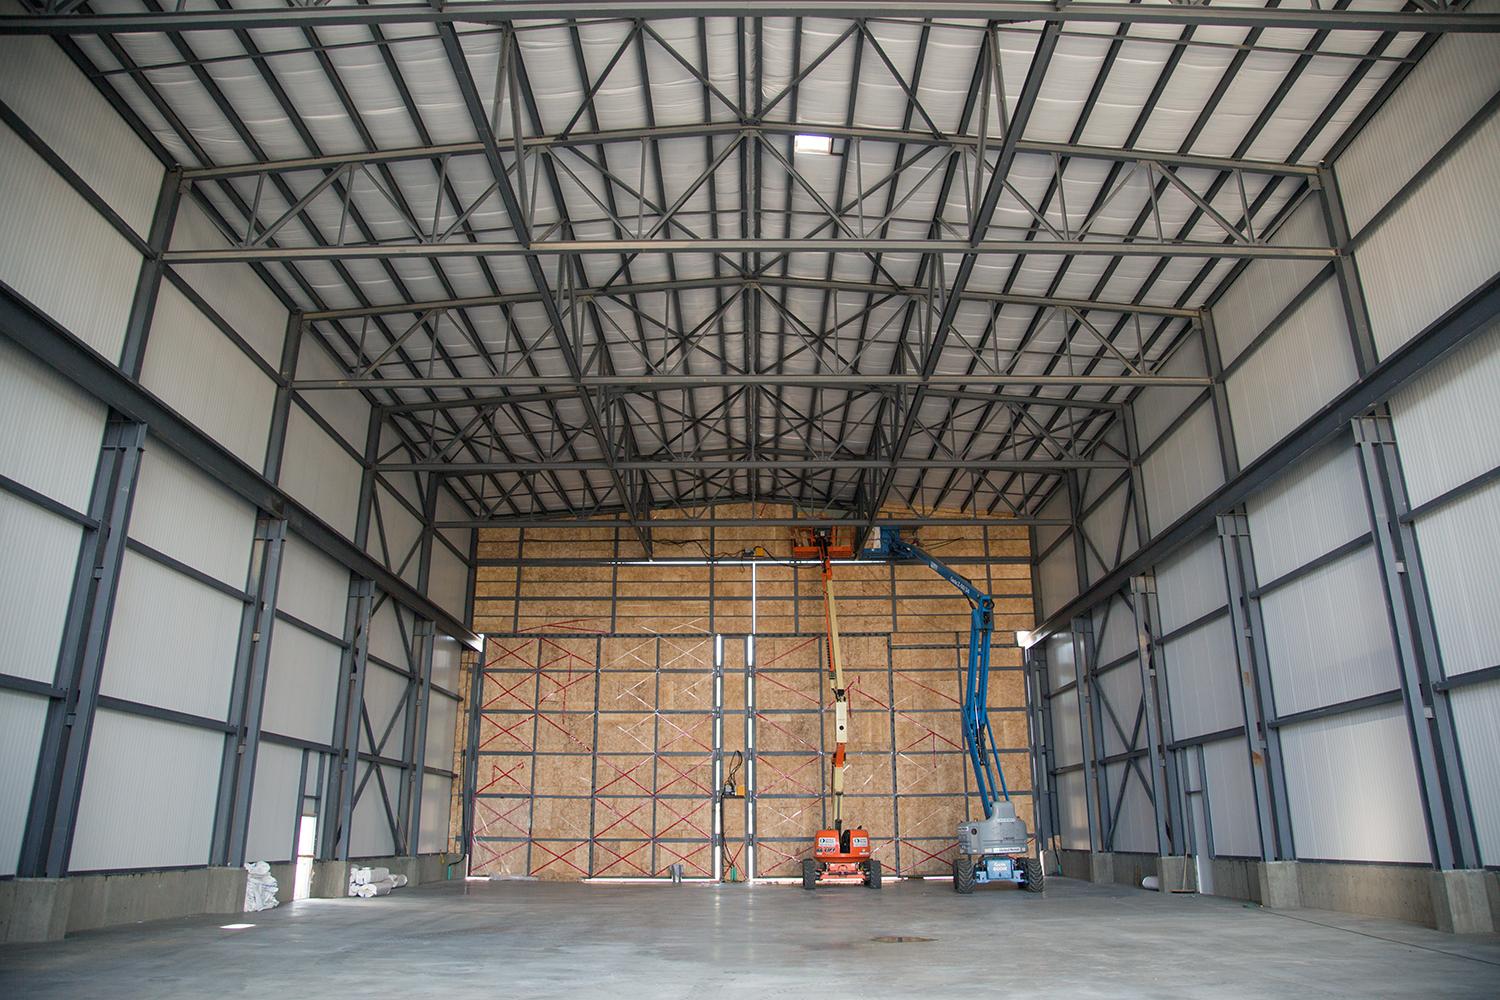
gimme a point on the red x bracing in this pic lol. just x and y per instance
(923, 855)
(789, 775)
(505, 773)
(506, 733)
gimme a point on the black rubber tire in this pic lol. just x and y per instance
(809, 873)
(873, 881)
(963, 875)
(1031, 868)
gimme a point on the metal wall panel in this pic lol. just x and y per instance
(1445, 419)
(1184, 469)
(1156, 408)
(1058, 577)
(301, 685)
(38, 552)
(234, 291)
(49, 236)
(1439, 245)
(1190, 583)
(1121, 688)
(446, 653)
(21, 719)
(1072, 811)
(1114, 631)
(43, 87)
(149, 794)
(390, 632)
(1110, 523)
(1291, 374)
(1475, 711)
(384, 693)
(55, 434)
(448, 583)
(1203, 680)
(1266, 287)
(394, 534)
(321, 474)
(1060, 666)
(1352, 789)
(313, 588)
(1055, 507)
(1328, 637)
(370, 833)
(347, 412)
(1067, 746)
(1460, 546)
(1135, 826)
(204, 376)
(1441, 93)
(1231, 799)
(442, 718)
(1312, 509)
(273, 804)
(437, 797)
(188, 516)
(172, 641)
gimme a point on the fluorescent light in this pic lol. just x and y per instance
(234, 927)
(812, 144)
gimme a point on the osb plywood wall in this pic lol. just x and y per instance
(600, 690)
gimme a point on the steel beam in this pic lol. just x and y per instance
(689, 463)
(506, 12)
(343, 779)
(825, 381)
(1165, 799)
(1110, 246)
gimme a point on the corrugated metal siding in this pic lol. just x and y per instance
(48, 237)
(313, 587)
(1191, 583)
(1313, 508)
(437, 796)
(384, 692)
(1445, 419)
(191, 518)
(1352, 788)
(38, 552)
(273, 804)
(1058, 577)
(234, 291)
(318, 472)
(346, 411)
(204, 376)
(1327, 636)
(1072, 811)
(149, 794)
(1114, 631)
(370, 835)
(301, 685)
(1291, 374)
(1183, 470)
(1441, 93)
(1231, 799)
(1460, 547)
(1060, 667)
(446, 651)
(1121, 688)
(1475, 710)
(1156, 408)
(1055, 507)
(21, 719)
(1135, 826)
(43, 87)
(56, 431)
(442, 717)
(1265, 287)
(1203, 680)
(1438, 246)
(387, 640)
(394, 533)
(448, 580)
(172, 641)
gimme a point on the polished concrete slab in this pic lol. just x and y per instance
(546, 940)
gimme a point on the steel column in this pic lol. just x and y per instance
(1165, 800)
(281, 408)
(1088, 724)
(1429, 715)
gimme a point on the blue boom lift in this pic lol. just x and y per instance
(992, 849)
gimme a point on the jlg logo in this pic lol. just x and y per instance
(828, 844)
(860, 841)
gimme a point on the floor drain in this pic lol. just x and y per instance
(899, 939)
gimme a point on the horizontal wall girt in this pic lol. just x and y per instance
(499, 11)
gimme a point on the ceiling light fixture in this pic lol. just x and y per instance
(813, 144)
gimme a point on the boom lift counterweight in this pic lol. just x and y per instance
(992, 849)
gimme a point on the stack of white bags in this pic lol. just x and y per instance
(260, 887)
(367, 882)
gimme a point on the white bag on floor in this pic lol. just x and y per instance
(399, 881)
(260, 887)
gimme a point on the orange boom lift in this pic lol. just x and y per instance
(840, 856)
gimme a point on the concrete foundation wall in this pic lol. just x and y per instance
(46, 909)
(1375, 890)
(330, 879)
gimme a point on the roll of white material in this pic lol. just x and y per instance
(378, 874)
(398, 880)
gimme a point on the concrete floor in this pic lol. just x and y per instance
(543, 940)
